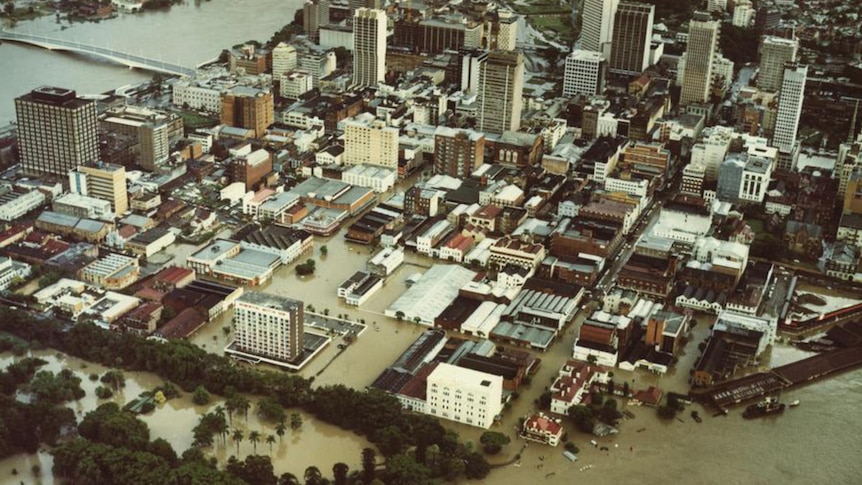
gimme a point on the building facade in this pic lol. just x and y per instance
(597, 23)
(699, 60)
(249, 108)
(464, 395)
(57, 131)
(632, 33)
(103, 181)
(775, 52)
(369, 47)
(501, 85)
(269, 326)
(790, 106)
(458, 153)
(584, 73)
(368, 141)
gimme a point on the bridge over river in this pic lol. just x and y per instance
(125, 58)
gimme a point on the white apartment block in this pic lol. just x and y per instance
(378, 179)
(268, 326)
(584, 73)
(712, 149)
(202, 97)
(464, 395)
(598, 23)
(368, 141)
(295, 84)
(15, 204)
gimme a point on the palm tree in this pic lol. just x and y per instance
(339, 471)
(243, 405)
(237, 436)
(270, 440)
(230, 407)
(280, 429)
(220, 410)
(254, 438)
(288, 479)
(223, 429)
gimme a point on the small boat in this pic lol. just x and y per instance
(696, 417)
(767, 407)
(794, 403)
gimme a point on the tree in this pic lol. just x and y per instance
(572, 448)
(402, 469)
(476, 467)
(114, 378)
(295, 421)
(242, 406)
(625, 388)
(237, 437)
(270, 440)
(592, 359)
(611, 387)
(313, 476)
(288, 479)
(339, 473)
(369, 464)
(399, 315)
(254, 438)
(201, 396)
(324, 250)
(270, 409)
(493, 441)
(280, 429)
(255, 469)
(583, 418)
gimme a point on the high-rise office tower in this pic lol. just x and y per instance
(789, 106)
(315, 14)
(501, 85)
(57, 131)
(584, 73)
(775, 52)
(597, 23)
(369, 47)
(103, 181)
(700, 57)
(630, 46)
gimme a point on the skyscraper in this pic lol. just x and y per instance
(584, 73)
(369, 47)
(632, 33)
(501, 85)
(775, 52)
(57, 131)
(597, 23)
(458, 153)
(699, 59)
(789, 106)
(315, 14)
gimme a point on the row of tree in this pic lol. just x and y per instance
(375, 415)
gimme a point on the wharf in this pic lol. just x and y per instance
(762, 384)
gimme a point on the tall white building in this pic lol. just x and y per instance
(597, 23)
(712, 149)
(369, 47)
(584, 74)
(743, 14)
(284, 59)
(789, 106)
(464, 395)
(471, 61)
(699, 59)
(268, 326)
(775, 52)
(368, 141)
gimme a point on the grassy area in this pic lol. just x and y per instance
(193, 120)
(562, 25)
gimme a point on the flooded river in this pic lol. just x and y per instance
(174, 421)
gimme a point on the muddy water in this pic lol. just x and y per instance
(174, 421)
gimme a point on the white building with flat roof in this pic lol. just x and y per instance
(584, 73)
(268, 327)
(368, 141)
(378, 179)
(464, 395)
